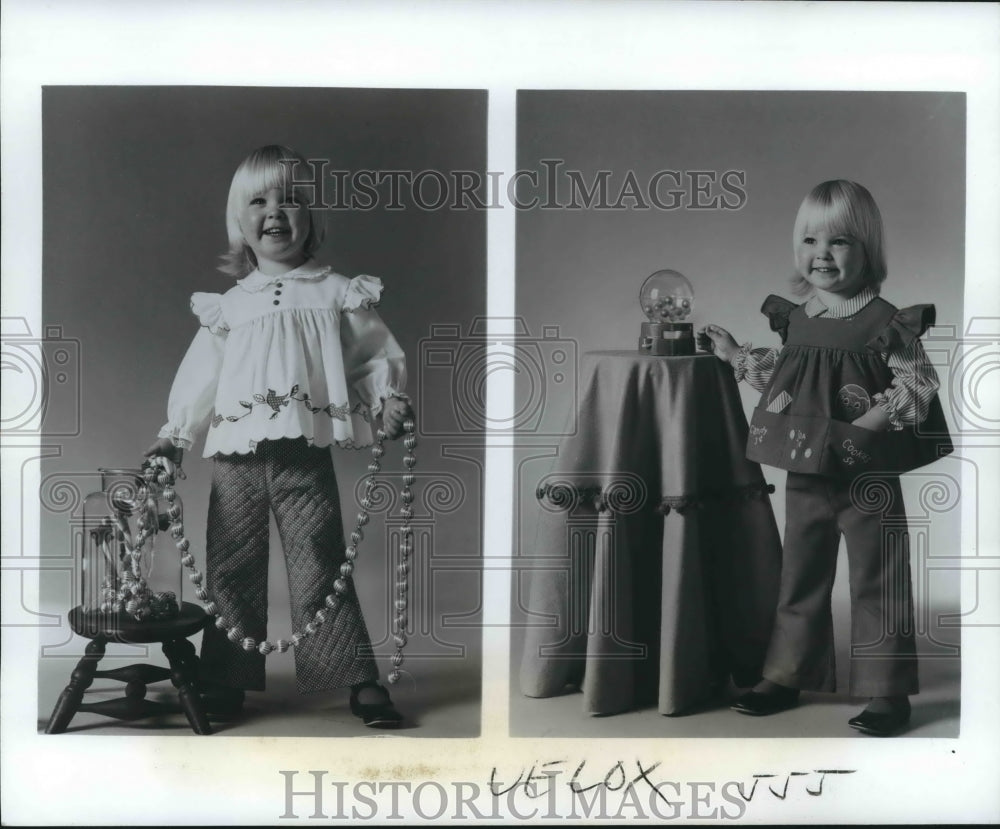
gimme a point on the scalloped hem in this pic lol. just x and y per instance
(251, 447)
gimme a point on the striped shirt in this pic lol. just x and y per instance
(914, 382)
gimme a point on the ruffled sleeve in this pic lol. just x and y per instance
(374, 363)
(192, 394)
(906, 325)
(208, 309)
(363, 292)
(777, 309)
(914, 379)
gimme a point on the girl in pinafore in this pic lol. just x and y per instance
(849, 402)
(294, 360)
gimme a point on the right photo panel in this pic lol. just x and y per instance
(736, 492)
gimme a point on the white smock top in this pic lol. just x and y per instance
(303, 354)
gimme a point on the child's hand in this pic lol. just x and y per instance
(164, 448)
(718, 340)
(875, 419)
(395, 413)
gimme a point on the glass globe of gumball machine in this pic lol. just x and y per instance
(666, 298)
(130, 573)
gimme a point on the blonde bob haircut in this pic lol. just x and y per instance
(264, 168)
(843, 207)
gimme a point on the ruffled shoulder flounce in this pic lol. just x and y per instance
(208, 309)
(363, 292)
(777, 309)
(905, 326)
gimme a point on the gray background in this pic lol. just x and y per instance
(581, 270)
(135, 187)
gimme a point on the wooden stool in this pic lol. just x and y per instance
(102, 628)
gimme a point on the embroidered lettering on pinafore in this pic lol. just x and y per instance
(854, 455)
(798, 436)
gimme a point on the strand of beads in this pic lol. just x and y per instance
(133, 595)
(341, 585)
(405, 551)
(129, 591)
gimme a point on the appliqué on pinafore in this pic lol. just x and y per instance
(824, 378)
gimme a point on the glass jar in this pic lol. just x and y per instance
(666, 298)
(129, 564)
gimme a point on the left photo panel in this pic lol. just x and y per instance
(261, 501)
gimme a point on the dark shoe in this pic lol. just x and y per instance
(222, 703)
(881, 724)
(375, 714)
(757, 704)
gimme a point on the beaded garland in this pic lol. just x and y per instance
(341, 585)
(129, 591)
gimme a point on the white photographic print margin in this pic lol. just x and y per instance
(501, 48)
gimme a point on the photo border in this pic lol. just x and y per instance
(499, 47)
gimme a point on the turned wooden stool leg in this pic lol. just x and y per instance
(80, 680)
(184, 675)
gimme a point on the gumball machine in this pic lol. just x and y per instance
(130, 572)
(666, 298)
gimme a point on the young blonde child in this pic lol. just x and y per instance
(290, 361)
(849, 401)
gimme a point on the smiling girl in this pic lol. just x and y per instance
(290, 361)
(848, 403)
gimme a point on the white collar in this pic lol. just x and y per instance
(257, 281)
(848, 308)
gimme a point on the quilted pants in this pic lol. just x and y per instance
(298, 483)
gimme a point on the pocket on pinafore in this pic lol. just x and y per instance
(852, 450)
(792, 442)
(819, 445)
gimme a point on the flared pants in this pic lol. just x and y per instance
(297, 482)
(871, 517)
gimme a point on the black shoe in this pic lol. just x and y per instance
(375, 714)
(758, 704)
(879, 723)
(222, 703)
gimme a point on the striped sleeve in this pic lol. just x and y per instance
(914, 384)
(755, 365)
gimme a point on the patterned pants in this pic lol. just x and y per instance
(883, 648)
(297, 482)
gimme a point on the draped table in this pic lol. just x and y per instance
(654, 574)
